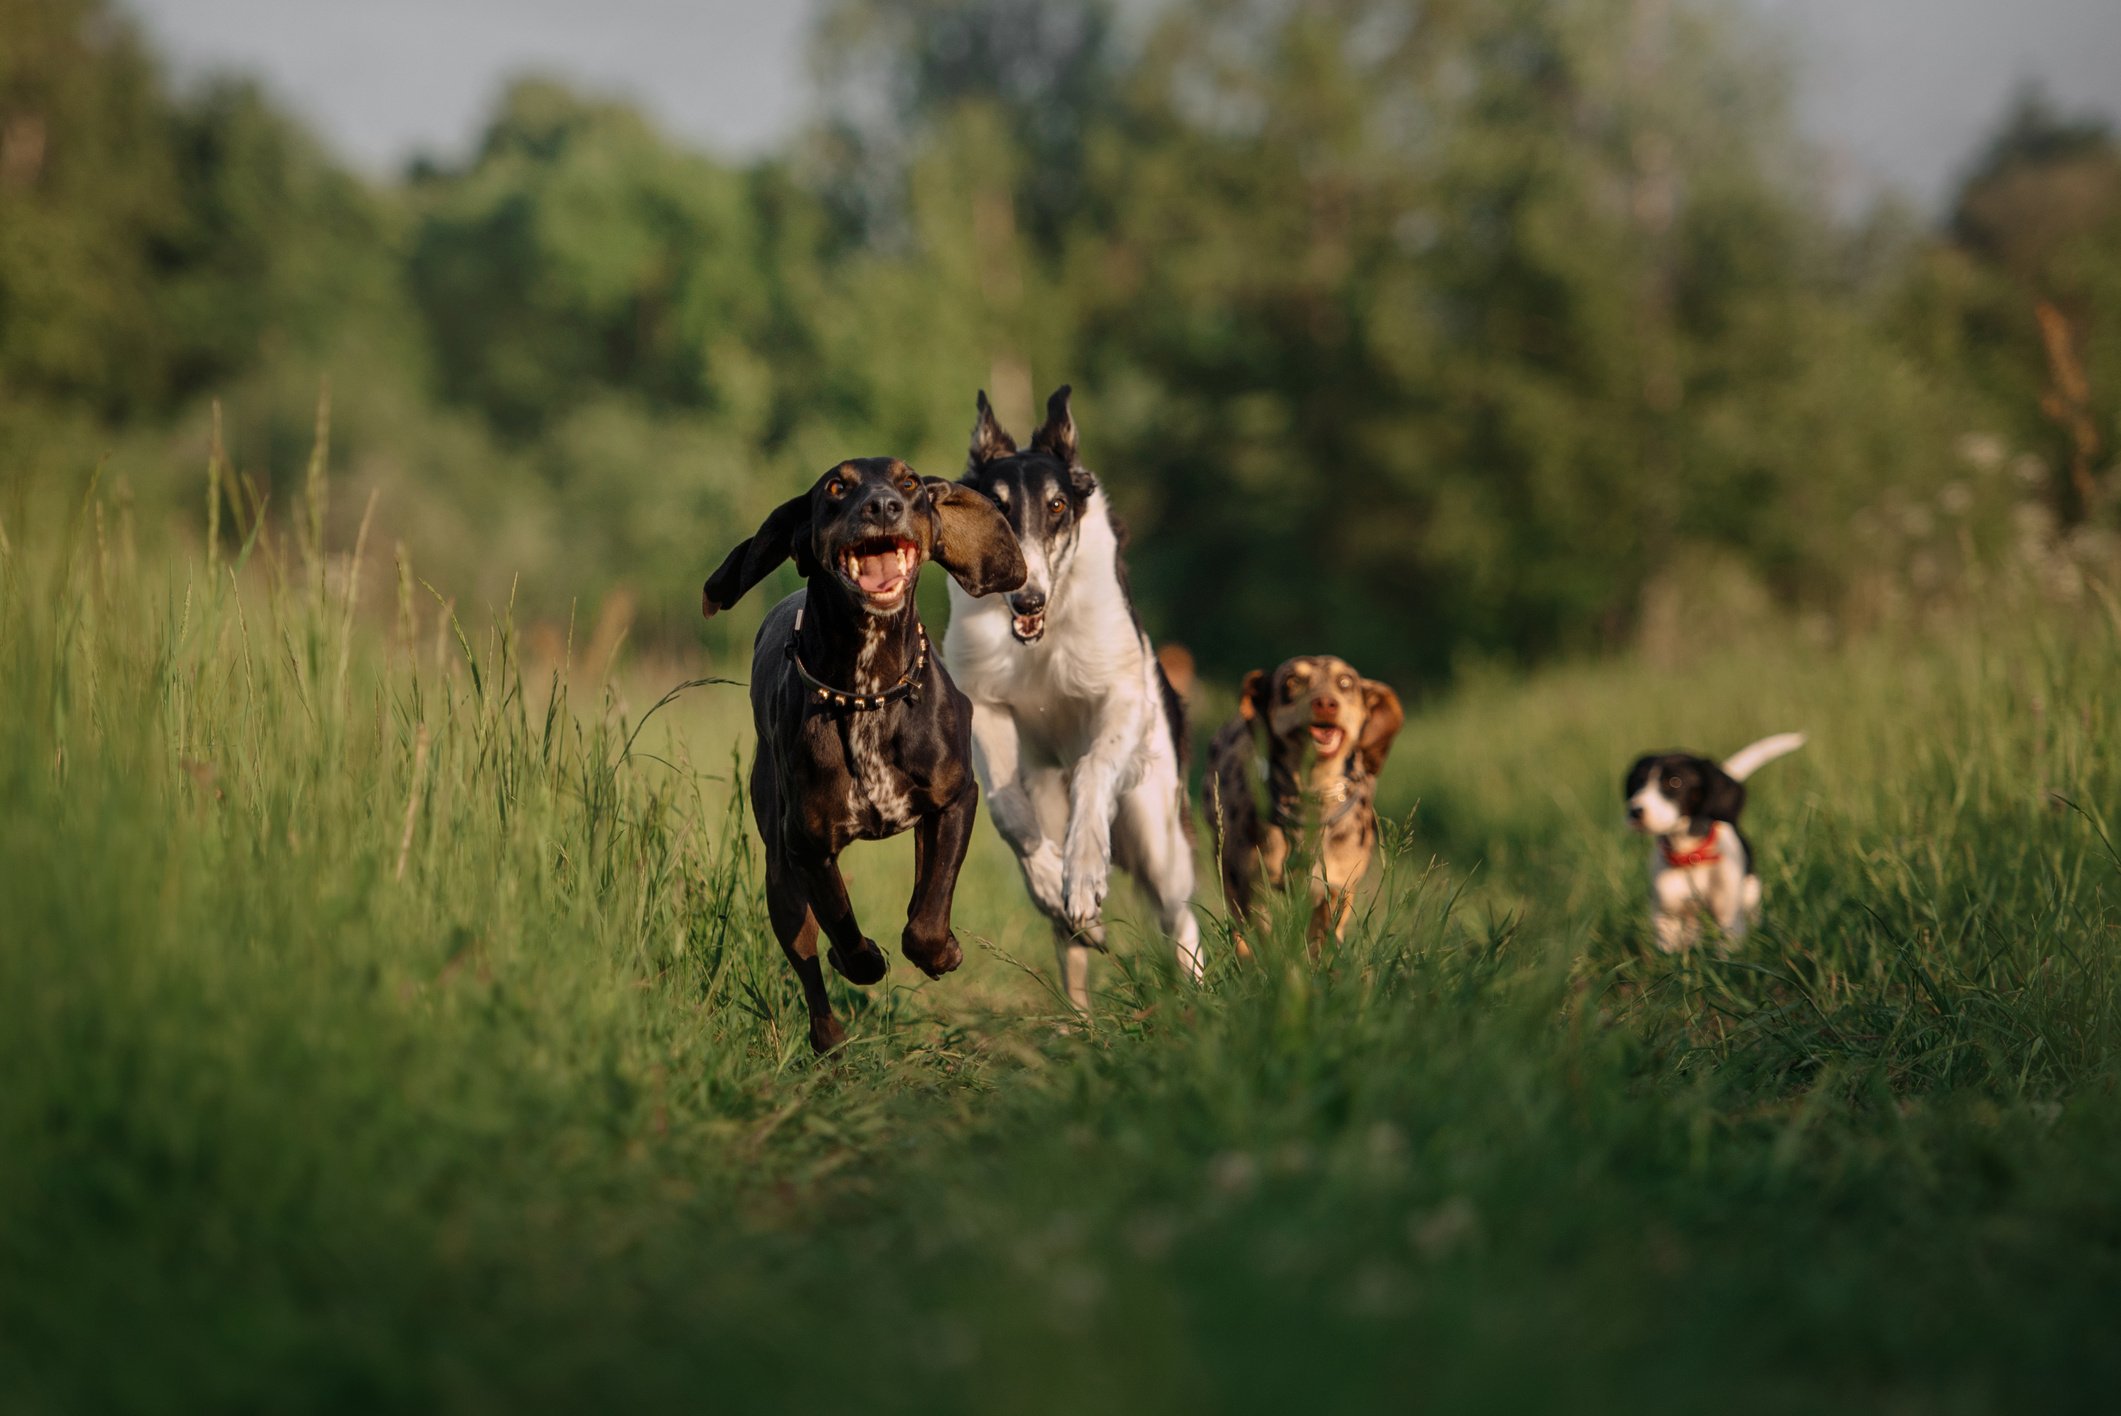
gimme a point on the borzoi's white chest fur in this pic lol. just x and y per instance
(1092, 649)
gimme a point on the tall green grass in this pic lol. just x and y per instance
(387, 1021)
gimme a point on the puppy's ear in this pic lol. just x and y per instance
(1722, 795)
(1057, 434)
(783, 534)
(973, 540)
(1638, 775)
(1252, 697)
(989, 442)
(1382, 718)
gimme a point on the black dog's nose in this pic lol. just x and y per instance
(1028, 602)
(1634, 813)
(886, 508)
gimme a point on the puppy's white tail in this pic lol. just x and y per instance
(1751, 758)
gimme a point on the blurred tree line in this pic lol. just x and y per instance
(1438, 334)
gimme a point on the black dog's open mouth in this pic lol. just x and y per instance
(1328, 737)
(882, 568)
(1028, 628)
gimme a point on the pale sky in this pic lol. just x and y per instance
(1897, 91)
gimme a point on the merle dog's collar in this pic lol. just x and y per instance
(908, 685)
(1344, 794)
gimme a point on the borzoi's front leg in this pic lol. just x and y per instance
(998, 762)
(1109, 768)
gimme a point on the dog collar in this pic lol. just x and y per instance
(908, 685)
(1703, 854)
(1344, 794)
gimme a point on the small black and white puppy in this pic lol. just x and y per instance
(1701, 864)
(861, 733)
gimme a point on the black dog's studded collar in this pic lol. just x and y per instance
(908, 685)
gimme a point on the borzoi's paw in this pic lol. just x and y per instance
(1083, 898)
(1042, 876)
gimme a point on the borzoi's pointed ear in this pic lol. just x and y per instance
(1382, 718)
(1057, 434)
(1722, 795)
(783, 534)
(989, 442)
(972, 539)
(1252, 697)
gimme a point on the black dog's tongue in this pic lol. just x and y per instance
(884, 571)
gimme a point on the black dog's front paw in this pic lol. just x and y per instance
(826, 1034)
(931, 957)
(864, 966)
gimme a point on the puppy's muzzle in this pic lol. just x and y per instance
(1027, 609)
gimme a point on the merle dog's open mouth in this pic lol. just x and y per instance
(1028, 628)
(1328, 737)
(881, 567)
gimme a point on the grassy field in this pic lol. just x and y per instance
(386, 1023)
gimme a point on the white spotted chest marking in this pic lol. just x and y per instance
(876, 777)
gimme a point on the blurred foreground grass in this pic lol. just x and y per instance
(383, 1023)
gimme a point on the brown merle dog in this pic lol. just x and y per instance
(1327, 730)
(861, 733)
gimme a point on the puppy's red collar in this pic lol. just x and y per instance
(1703, 854)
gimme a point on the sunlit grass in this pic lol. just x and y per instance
(389, 1019)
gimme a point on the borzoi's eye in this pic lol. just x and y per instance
(1057, 505)
(1672, 782)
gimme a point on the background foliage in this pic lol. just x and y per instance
(1511, 326)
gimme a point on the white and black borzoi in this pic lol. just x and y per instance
(1700, 862)
(1077, 736)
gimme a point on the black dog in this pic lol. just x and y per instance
(861, 732)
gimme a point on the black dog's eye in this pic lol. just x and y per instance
(909, 485)
(833, 489)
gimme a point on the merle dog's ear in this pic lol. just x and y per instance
(1382, 718)
(1057, 434)
(989, 442)
(972, 538)
(783, 534)
(1252, 697)
(1722, 795)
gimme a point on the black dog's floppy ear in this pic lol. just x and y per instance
(1382, 719)
(989, 442)
(973, 540)
(1722, 795)
(1057, 434)
(783, 534)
